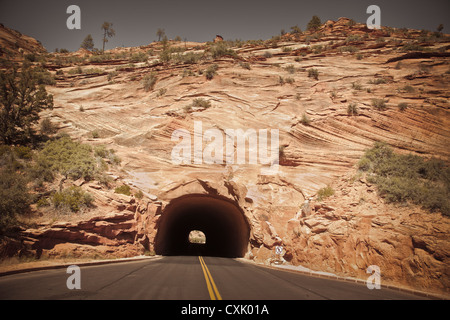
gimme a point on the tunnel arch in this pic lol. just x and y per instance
(221, 220)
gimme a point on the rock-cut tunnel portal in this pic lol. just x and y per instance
(221, 220)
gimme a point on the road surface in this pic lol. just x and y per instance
(186, 278)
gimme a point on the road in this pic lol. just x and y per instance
(186, 278)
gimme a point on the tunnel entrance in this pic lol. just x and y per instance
(221, 220)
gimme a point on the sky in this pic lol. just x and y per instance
(136, 21)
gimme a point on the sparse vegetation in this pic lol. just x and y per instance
(324, 193)
(123, 189)
(305, 120)
(221, 49)
(313, 73)
(200, 103)
(402, 106)
(149, 81)
(379, 104)
(408, 178)
(72, 199)
(211, 71)
(352, 109)
(290, 68)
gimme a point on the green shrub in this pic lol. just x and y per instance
(149, 81)
(200, 103)
(138, 57)
(211, 71)
(404, 178)
(290, 68)
(305, 120)
(76, 70)
(352, 109)
(47, 127)
(103, 153)
(69, 158)
(324, 193)
(220, 49)
(123, 189)
(73, 198)
(139, 195)
(188, 58)
(95, 134)
(14, 196)
(402, 106)
(378, 81)
(348, 49)
(379, 104)
(313, 73)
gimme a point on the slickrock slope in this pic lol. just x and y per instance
(268, 85)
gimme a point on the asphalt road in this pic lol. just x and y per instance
(186, 278)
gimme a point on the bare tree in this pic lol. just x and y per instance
(108, 32)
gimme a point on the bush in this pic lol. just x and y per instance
(211, 71)
(123, 189)
(290, 68)
(305, 120)
(138, 57)
(352, 109)
(69, 158)
(73, 198)
(348, 49)
(402, 106)
(379, 104)
(149, 81)
(201, 103)
(76, 70)
(220, 49)
(14, 196)
(402, 178)
(313, 73)
(188, 58)
(324, 193)
(47, 127)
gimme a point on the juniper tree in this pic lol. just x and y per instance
(88, 43)
(22, 98)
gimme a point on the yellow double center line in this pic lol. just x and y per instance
(212, 289)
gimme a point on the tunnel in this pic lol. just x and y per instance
(221, 220)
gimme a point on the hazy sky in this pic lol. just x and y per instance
(136, 21)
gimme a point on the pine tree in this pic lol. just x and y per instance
(88, 43)
(314, 23)
(21, 100)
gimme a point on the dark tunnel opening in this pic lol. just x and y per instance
(221, 220)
